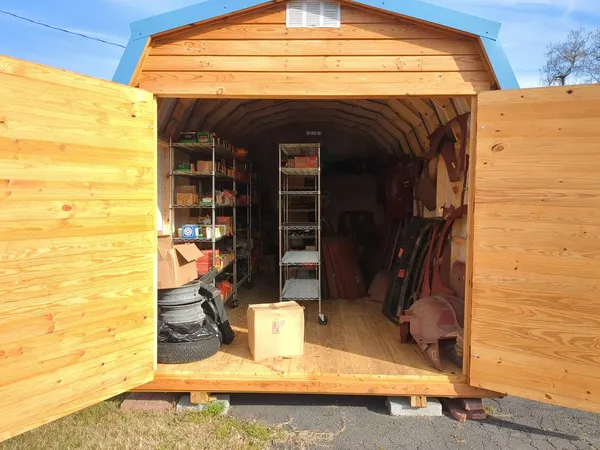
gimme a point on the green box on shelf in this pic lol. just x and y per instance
(205, 137)
(188, 137)
(182, 166)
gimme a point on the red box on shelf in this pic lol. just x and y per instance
(226, 289)
(242, 200)
(205, 263)
(306, 162)
(225, 220)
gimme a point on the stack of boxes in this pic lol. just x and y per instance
(205, 263)
(227, 222)
(303, 162)
(204, 137)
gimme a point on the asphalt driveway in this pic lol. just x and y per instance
(363, 422)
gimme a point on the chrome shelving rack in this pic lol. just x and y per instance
(214, 151)
(291, 260)
(248, 230)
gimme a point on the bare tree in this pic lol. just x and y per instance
(593, 63)
(567, 59)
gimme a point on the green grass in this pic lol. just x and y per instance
(105, 426)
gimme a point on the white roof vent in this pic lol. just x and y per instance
(313, 14)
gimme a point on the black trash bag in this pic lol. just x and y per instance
(215, 309)
(187, 332)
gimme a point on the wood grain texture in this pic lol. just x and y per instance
(316, 47)
(384, 63)
(358, 353)
(311, 85)
(470, 221)
(164, 198)
(535, 313)
(371, 54)
(392, 30)
(77, 242)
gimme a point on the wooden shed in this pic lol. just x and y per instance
(82, 200)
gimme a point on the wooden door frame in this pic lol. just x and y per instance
(472, 152)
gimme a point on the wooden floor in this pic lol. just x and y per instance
(358, 352)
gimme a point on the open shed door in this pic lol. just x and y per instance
(535, 322)
(77, 242)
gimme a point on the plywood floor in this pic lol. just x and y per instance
(358, 352)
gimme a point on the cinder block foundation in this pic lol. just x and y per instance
(400, 407)
(185, 404)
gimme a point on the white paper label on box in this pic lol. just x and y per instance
(277, 325)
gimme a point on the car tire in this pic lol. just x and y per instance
(186, 352)
(183, 295)
(180, 314)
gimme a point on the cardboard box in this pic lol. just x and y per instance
(205, 262)
(187, 199)
(204, 166)
(205, 137)
(176, 263)
(306, 162)
(276, 330)
(225, 220)
(190, 231)
(188, 137)
(187, 195)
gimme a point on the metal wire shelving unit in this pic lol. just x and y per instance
(307, 260)
(213, 152)
(246, 186)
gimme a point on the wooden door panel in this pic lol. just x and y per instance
(77, 242)
(535, 329)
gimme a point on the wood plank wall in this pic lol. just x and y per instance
(536, 247)
(77, 242)
(371, 55)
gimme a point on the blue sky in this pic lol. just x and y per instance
(528, 26)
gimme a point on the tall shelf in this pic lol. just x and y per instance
(219, 157)
(246, 228)
(299, 223)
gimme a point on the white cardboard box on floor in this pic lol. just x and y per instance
(276, 330)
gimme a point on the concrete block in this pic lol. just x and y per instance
(400, 406)
(184, 403)
(149, 401)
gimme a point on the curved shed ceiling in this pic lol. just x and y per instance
(398, 126)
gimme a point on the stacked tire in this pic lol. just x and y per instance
(181, 311)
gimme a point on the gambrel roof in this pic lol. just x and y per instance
(487, 31)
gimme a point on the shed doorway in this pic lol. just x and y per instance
(367, 146)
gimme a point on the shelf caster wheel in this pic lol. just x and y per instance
(323, 319)
(250, 284)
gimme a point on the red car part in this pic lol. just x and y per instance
(431, 320)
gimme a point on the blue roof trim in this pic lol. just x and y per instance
(129, 61)
(438, 15)
(190, 14)
(500, 64)
(412, 8)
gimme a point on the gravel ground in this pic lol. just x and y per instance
(363, 422)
